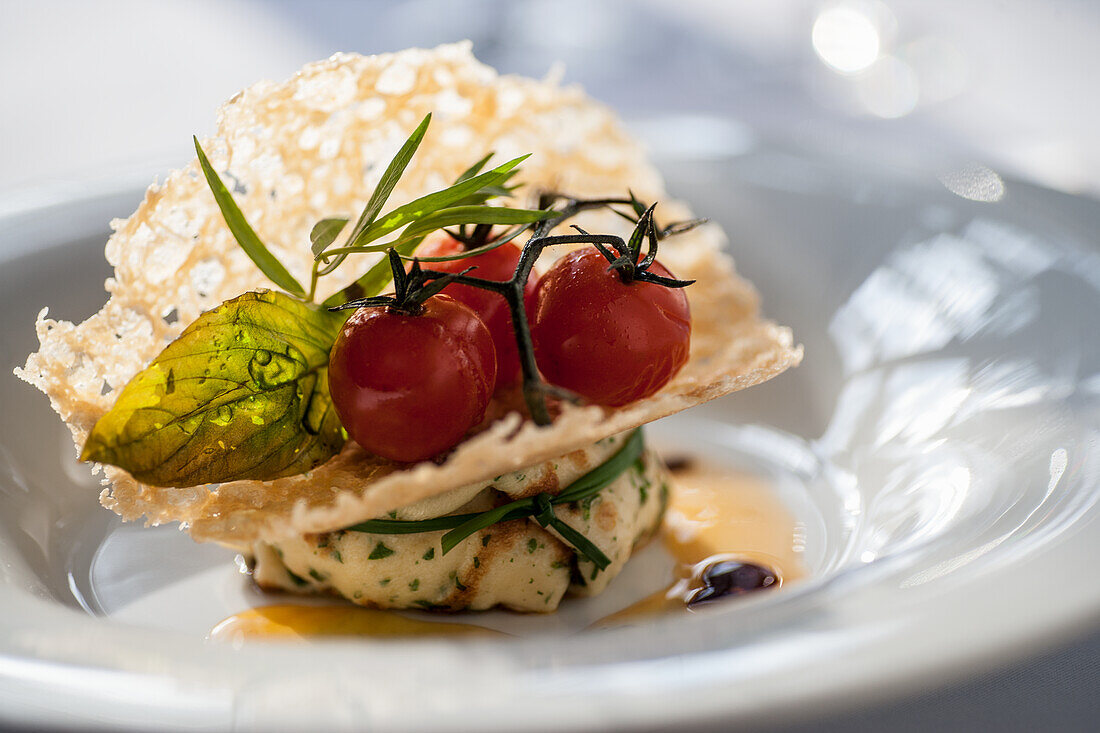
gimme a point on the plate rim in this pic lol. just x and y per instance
(133, 652)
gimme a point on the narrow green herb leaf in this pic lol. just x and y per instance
(433, 202)
(489, 192)
(373, 281)
(500, 242)
(332, 265)
(516, 510)
(378, 276)
(241, 394)
(474, 169)
(325, 233)
(480, 197)
(389, 179)
(453, 216)
(486, 192)
(244, 234)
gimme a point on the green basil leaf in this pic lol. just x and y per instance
(241, 394)
(244, 234)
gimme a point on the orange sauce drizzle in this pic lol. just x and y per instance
(714, 514)
(287, 621)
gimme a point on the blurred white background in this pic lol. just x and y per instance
(99, 91)
(108, 94)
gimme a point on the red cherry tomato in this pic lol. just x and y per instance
(606, 340)
(497, 264)
(408, 387)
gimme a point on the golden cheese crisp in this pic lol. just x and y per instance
(315, 146)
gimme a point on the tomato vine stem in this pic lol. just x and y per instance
(623, 255)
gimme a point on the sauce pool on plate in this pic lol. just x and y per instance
(727, 531)
(729, 534)
(289, 621)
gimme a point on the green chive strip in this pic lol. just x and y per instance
(462, 526)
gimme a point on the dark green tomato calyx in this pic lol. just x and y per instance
(627, 259)
(638, 208)
(411, 288)
(476, 238)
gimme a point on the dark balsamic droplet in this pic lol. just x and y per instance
(731, 578)
(678, 462)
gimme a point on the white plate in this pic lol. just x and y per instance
(939, 443)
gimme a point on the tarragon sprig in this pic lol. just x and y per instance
(242, 393)
(463, 203)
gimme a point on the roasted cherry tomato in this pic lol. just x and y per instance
(609, 341)
(497, 264)
(408, 387)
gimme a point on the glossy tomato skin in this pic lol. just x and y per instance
(498, 264)
(409, 387)
(608, 341)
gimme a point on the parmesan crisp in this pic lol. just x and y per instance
(314, 147)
